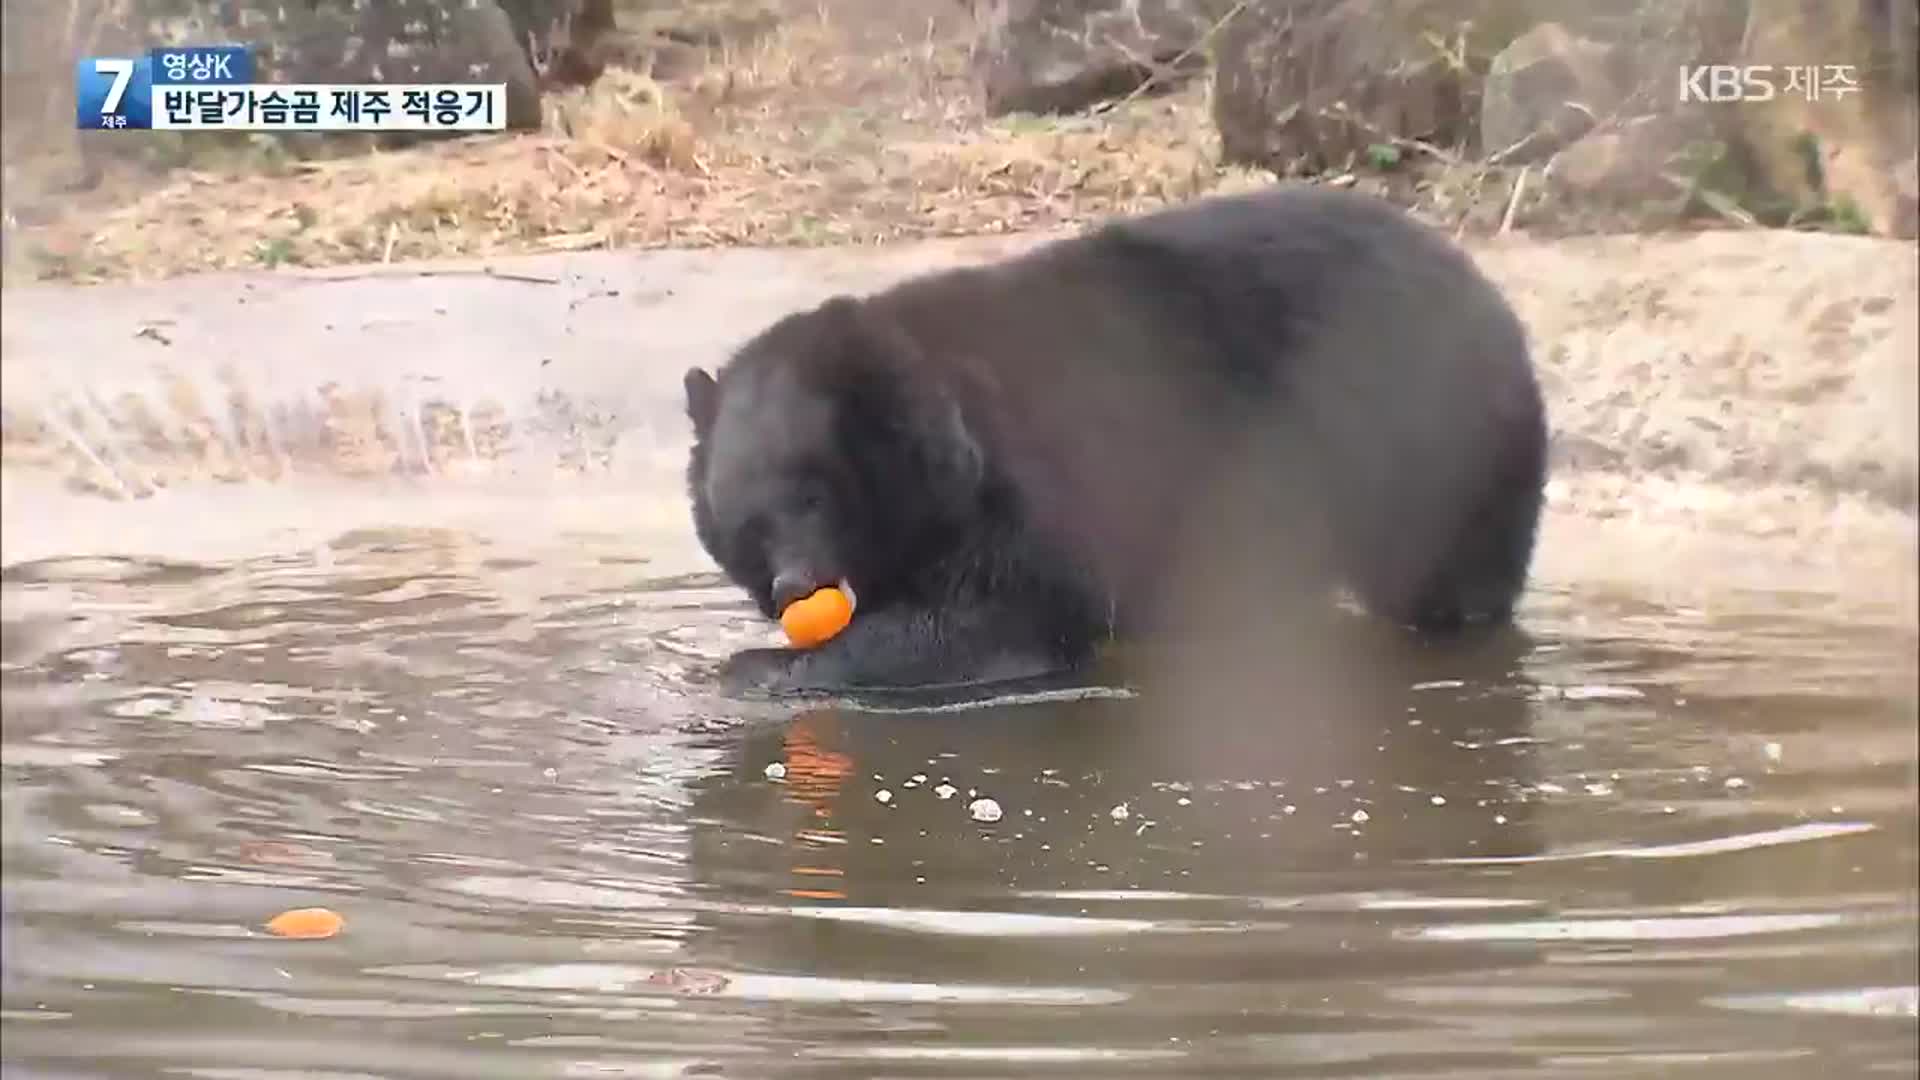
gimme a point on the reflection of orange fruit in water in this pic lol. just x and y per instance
(814, 620)
(817, 894)
(313, 922)
(814, 894)
(280, 852)
(815, 775)
(814, 772)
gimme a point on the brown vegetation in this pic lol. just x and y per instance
(849, 123)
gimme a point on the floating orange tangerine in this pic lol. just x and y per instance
(313, 922)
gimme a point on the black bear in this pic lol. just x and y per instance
(1004, 464)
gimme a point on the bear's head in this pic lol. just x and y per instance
(823, 454)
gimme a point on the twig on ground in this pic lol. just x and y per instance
(1153, 77)
(1713, 200)
(1513, 203)
(391, 271)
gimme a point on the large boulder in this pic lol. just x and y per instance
(397, 41)
(526, 44)
(1640, 161)
(559, 37)
(1546, 89)
(1051, 56)
(1302, 86)
(1817, 149)
(677, 39)
(1810, 151)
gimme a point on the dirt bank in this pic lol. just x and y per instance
(1752, 388)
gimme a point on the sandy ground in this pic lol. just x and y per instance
(1731, 410)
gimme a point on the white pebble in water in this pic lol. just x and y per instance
(1499, 819)
(1120, 813)
(1438, 800)
(883, 796)
(1734, 783)
(775, 771)
(1361, 817)
(1774, 751)
(946, 791)
(984, 810)
(1184, 801)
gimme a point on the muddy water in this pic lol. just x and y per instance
(1636, 842)
(377, 593)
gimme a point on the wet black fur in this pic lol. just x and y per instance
(1008, 462)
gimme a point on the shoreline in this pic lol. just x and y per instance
(1710, 388)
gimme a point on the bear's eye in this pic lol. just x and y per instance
(753, 532)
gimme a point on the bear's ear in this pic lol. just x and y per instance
(703, 400)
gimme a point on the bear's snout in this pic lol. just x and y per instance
(789, 586)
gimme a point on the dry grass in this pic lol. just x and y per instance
(829, 131)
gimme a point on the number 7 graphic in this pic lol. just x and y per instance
(122, 71)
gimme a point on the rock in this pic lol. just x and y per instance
(561, 37)
(526, 44)
(1906, 186)
(1647, 158)
(397, 41)
(675, 40)
(660, 58)
(1545, 90)
(709, 24)
(1052, 56)
(1811, 154)
(1303, 86)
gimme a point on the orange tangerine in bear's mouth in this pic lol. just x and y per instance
(813, 620)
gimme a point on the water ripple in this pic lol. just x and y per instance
(1627, 846)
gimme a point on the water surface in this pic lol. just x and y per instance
(1640, 841)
